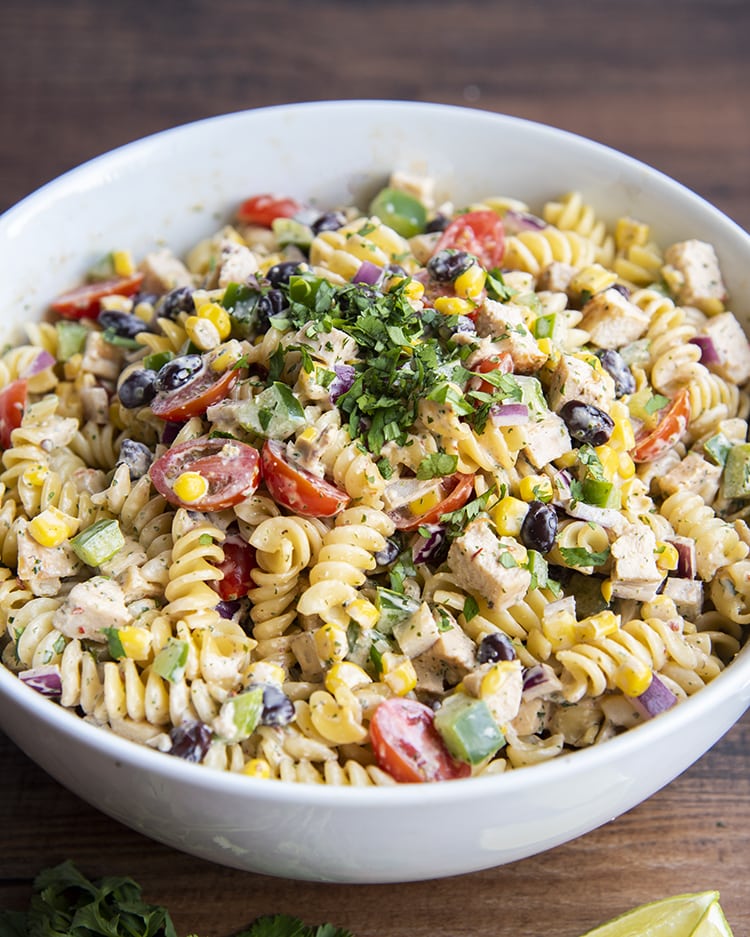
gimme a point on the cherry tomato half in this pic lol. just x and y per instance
(408, 746)
(481, 233)
(239, 560)
(296, 488)
(667, 431)
(194, 397)
(501, 362)
(12, 405)
(84, 302)
(231, 468)
(264, 209)
(457, 489)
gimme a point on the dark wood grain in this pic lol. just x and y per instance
(667, 82)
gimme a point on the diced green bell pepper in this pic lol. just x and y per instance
(736, 480)
(400, 211)
(290, 231)
(171, 661)
(71, 338)
(600, 493)
(717, 448)
(468, 728)
(243, 712)
(98, 543)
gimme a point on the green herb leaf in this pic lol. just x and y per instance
(457, 520)
(580, 556)
(114, 643)
(496, 286)
(657, 402)
(437, 465)
(471, 607)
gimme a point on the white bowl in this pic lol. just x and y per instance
(174, 187)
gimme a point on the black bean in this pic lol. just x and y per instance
(280, 273)
(137, 456)
(587, 423)
(278, 709)
(495, 647)
(190, 741)
(124, 324)
(328, 221)
(389, 552)
(539, 527)
(178, 371)
(176, 301)
(138, 389)
(394, 270)
(438, 223)
(622, 289)
(270, 304)
(447, 265)
(614, 364)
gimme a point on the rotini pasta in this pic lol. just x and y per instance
(476, 469)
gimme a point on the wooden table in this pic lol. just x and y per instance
(667, 82)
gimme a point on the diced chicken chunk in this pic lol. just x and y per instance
(101, 357)
(687, 595)
(693, 473)
(490, 565)
(731, 346)
(533, 716)
(504, 322)
(90, 607)
(576, 379)
(40, 567)
(635, 574)
(95, 404)
(692, 271)
(236, 263)
(162, 272)
(504, 700)
(447, 661)
(612, 320)
(555, 277)
(546, 440)
(418, 633)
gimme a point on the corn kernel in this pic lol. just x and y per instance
(453, 306)
(135, 641)
(257, 768)
(666, 556)
(567, 459)
(508, 515)
(344, 673)
(470, 283)
(610, 461)
(116, 303)
(598, 626)
(560, 630)
(266, 671)
(52, 527)
(398, 673)
(331, 644)
(219, 317)
(606, 590)
(536, 488)
(122, 261)
(144, 310)
(711, 306)
(545, 346)
(190, 487)
(36, 475)
(413, 289)
(633, 678)
(202, 333)
(363, 612)
(72, 366)
(425, 503)
(592, 279)
(626, 466)
(308, 434)
(224, 361)
(622, 437)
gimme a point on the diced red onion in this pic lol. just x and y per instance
(368, 273)
(45, 680)
(509, 414)
(515, 221)
(605, 517)
(42, 361)
(426, 549)
(170, 431)
(344, 379)
(561, 482)
(686, 561)
(709, 354)
(539, 680)
(656, 699)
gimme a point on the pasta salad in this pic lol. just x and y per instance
(412, 493)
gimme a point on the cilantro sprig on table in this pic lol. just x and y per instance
(65, 903)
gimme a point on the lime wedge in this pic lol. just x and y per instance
(695, 915)
(713, 923)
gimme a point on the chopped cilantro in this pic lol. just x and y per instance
(385, 468)
(580, 556)
(657, 402)
(496, 286)
(436, 465)
(402, 570)
(471, 607)
(457, 520)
